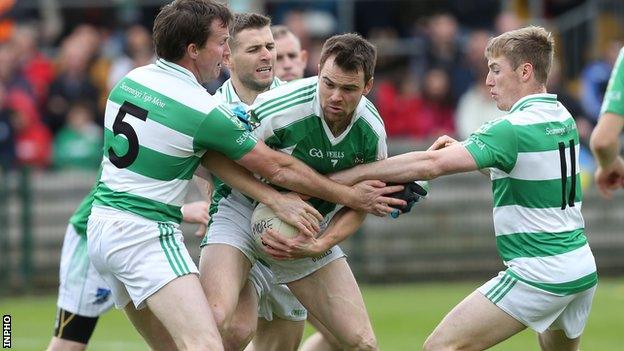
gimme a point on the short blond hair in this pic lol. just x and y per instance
(532, 44)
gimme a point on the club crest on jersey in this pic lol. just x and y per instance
(358, 159)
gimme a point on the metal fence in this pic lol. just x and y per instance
(449, 236)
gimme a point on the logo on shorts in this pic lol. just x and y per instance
(101, 296)
(318, 258)
(297, 312)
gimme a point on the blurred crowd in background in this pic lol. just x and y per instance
(58, 63)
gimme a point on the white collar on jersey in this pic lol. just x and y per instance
(533, 98)
(176, 69)
(229, 93)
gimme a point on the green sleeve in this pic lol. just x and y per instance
(494, 144)
(614, 96)
(223, 132)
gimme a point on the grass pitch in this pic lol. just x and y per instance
(402, 315)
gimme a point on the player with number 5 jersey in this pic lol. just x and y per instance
(160, 124)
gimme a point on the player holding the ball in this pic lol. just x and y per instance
(327, 123)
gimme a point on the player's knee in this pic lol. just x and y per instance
(201, 342)
(236, 337)
(433, 343)
(362, 342)
(220, 316)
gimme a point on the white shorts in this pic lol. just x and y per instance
(134, 255)
(286, 271)
(539, 309)
(82, 290)
(275, 299)
(231, 225)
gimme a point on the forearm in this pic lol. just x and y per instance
(402, 168)
(293, 174)
(605, 142)
(239, 178)
(416, 165)
(204, 184)
(344, 224)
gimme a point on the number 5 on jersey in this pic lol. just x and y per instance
(125, 129)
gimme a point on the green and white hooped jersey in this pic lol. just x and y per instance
(533, 157)
(227, 94)
(159, 121)
(290, 119)
(614, 96)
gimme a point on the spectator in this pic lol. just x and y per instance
(398, 101)
(33, 66)
(139, 52)
(73, 82)
(476, 105)
(291, 59)
(79, 143)
(7, 134)
(506, 21)
(594, 80)
(436, 113)
(9, 74)
(555, 85)
(441, 45)
(32, 138)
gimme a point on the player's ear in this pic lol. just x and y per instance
(192, 50)
(227, 60)
(368, 86)
(526, 71)
(304, 57)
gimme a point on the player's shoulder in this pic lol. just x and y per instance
(368, 113)
(301, 87)
(290, 97)
(166, 87)
(501, 122)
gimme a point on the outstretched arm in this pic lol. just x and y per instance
(288, 172)
(416, 165)
(605, 145)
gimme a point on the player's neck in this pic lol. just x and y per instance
(338, 127)
(245, 94)
(534, 89)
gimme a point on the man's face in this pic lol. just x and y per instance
(210, 57)
(504, 82)
(340, 91)
(253, 58)
(291, 60)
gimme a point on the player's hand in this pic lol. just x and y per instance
(197, 212)
(442, 142)
(372, 196)
(291, 209)
(412, 193)
(610, 179)
(283, 248)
